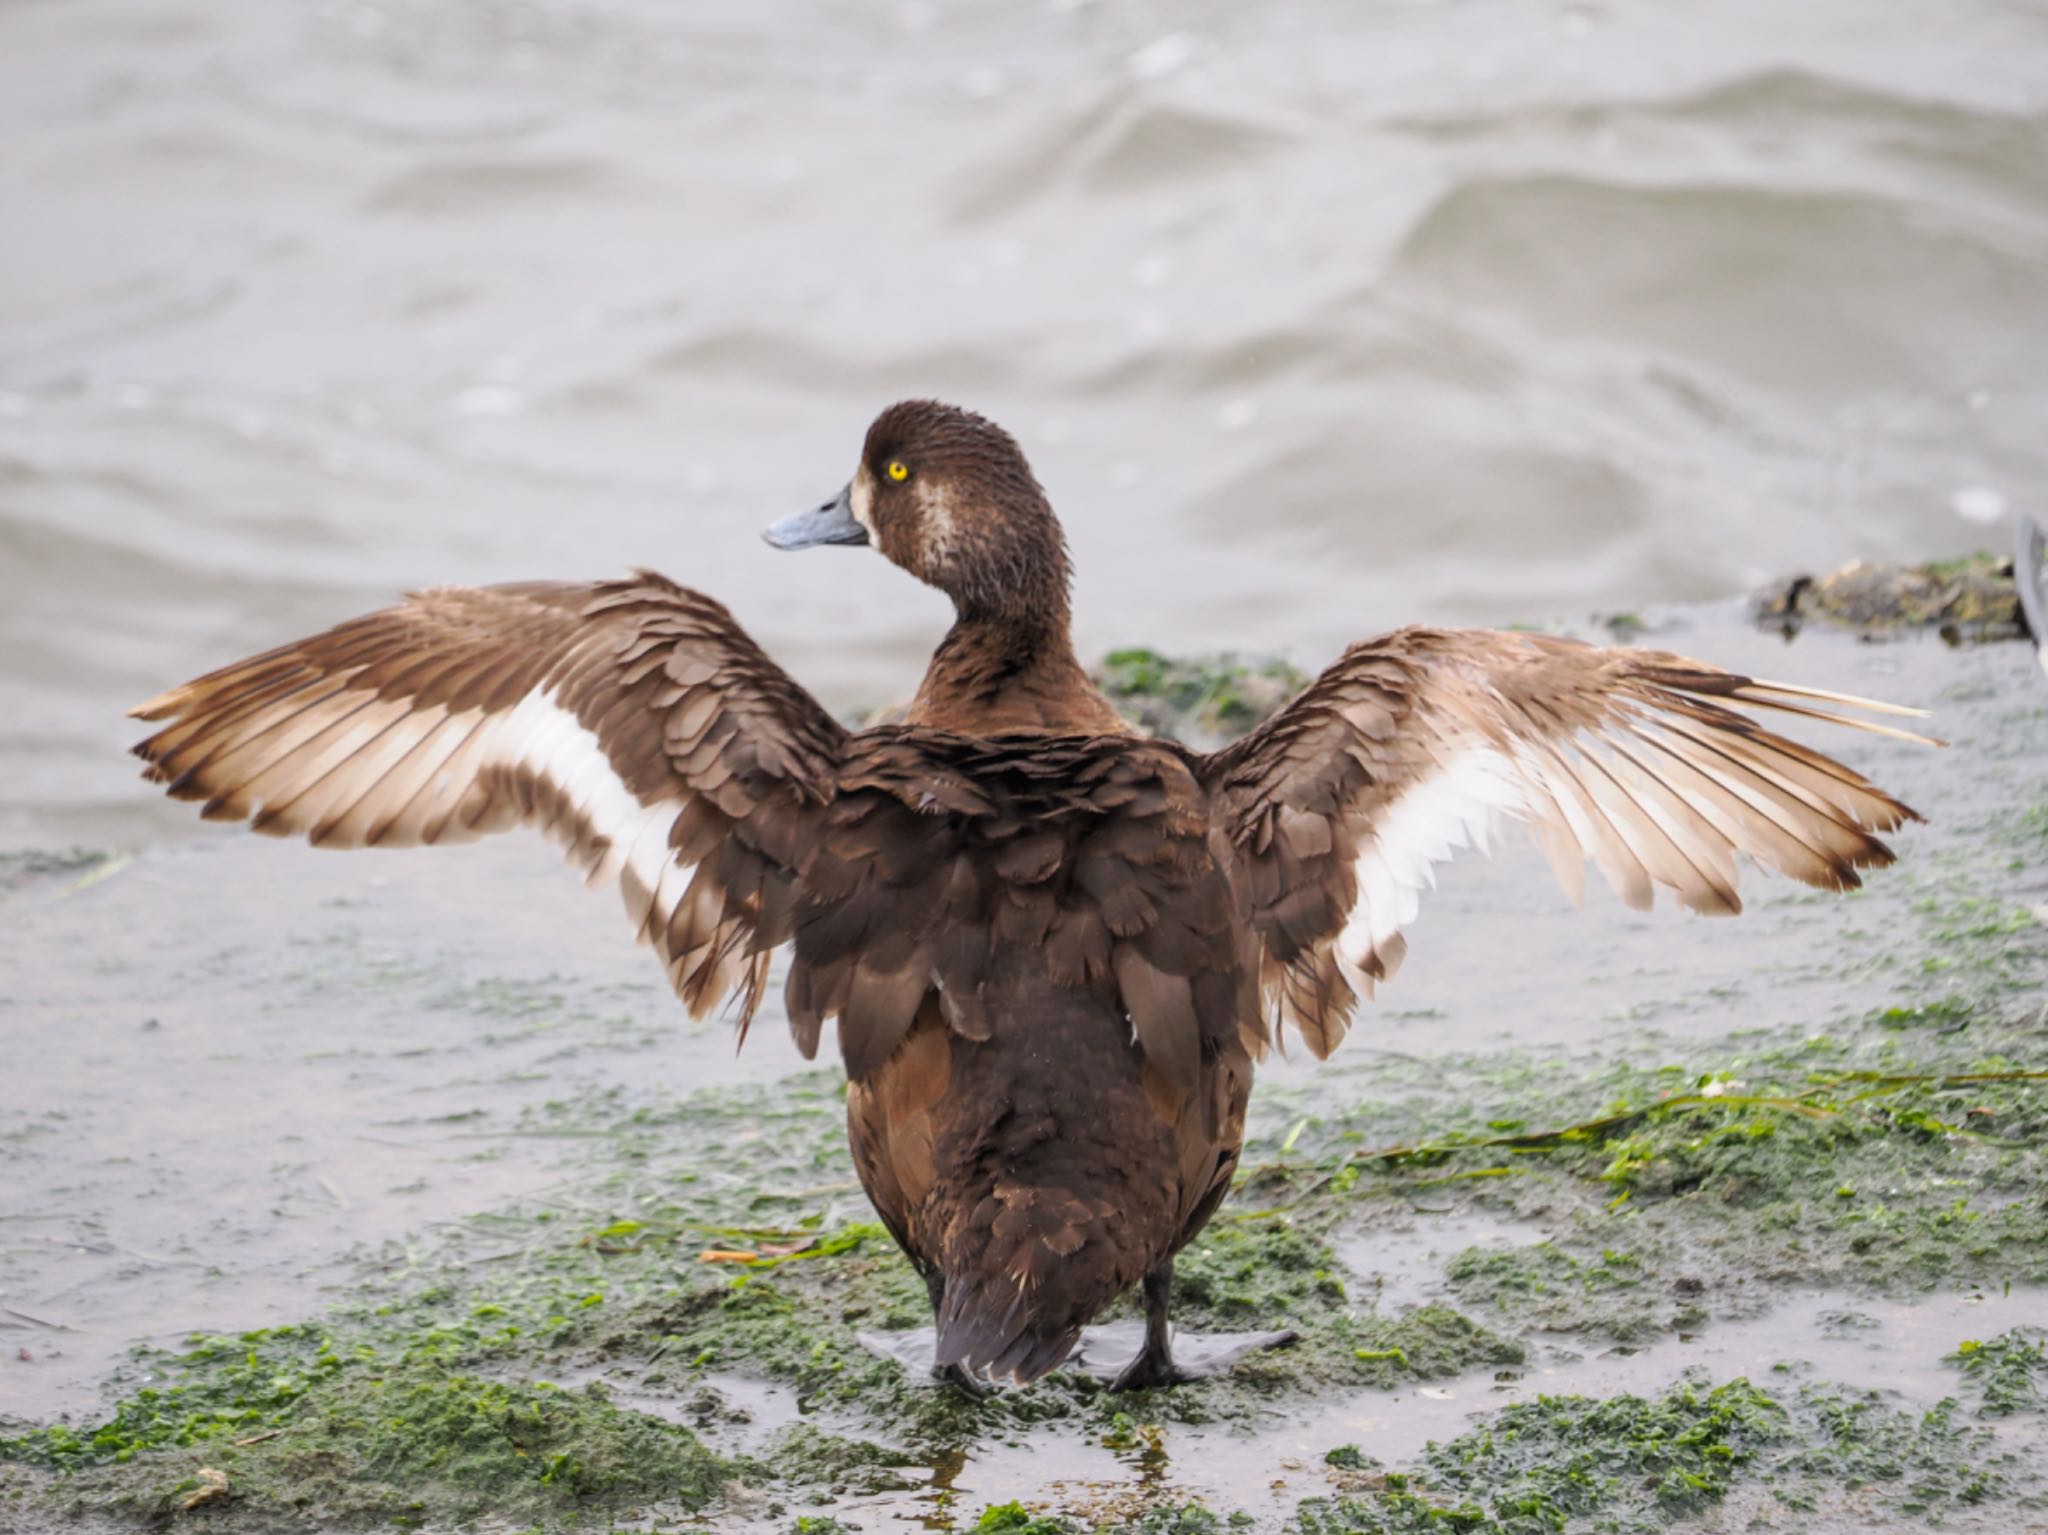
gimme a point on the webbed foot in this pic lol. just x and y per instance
(1164, 1358)
(917, 1351)
(1106, 1353)
(1195, 1356)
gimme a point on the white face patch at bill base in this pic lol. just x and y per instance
(860, 499)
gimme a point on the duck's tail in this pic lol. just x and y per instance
(989, 1328)
(1015, 1302)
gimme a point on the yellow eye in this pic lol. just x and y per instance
(898, 470)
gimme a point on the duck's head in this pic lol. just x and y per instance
(947, 495)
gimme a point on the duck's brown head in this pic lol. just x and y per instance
(947, 495)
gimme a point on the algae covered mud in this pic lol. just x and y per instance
(1599, 1221)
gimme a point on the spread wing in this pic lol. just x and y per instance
(1415, 745)
(633, 721)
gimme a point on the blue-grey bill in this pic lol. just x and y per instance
(832, 523)
(2030, 576)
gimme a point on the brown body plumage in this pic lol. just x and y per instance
(1053, 949)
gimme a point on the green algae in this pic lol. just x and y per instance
(608, 1281)
(1634, 1464)
(1249, 1275)
(1172, 1519)
(362, 1440)
(2007, 1374)
(1630, 1462)
(427, 1397)
(1202, 700)
(1544, 1287)
(834, 1465)
(423, 1396)
(1866, 1162)
(800, 1324)
(794, 1313)
(1430, 1343)
(1922, 1465)
(1016, 1519)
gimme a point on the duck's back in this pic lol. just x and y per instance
(1047, 1003)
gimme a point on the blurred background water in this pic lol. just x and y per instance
(1315, 316)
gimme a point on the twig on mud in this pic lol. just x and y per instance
(106, 869)
(36, 1321)
(268, 1433)
(111, 1250)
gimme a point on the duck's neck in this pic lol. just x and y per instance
(1012, 673)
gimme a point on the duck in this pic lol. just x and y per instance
(1054, 949)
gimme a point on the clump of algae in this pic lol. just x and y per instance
(1872, 1161)
(1969, 599)
(295, 1428)
(1167, 1519)
(1629, 1464)
(2006, 1373)
(1202, 700)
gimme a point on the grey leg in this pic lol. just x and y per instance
(1197, 1358)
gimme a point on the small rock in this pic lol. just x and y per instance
(1965, 600)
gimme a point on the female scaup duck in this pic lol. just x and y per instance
(1054, 948)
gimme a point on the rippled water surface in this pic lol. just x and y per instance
(1314, 316)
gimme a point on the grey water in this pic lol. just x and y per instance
(1316, 316)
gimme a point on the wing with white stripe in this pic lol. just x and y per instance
(633, 721)
(1421, 743)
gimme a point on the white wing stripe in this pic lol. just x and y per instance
(1449, 810)
(551, 743)
(1678, 824)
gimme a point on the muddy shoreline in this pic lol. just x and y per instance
(375, 1191)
